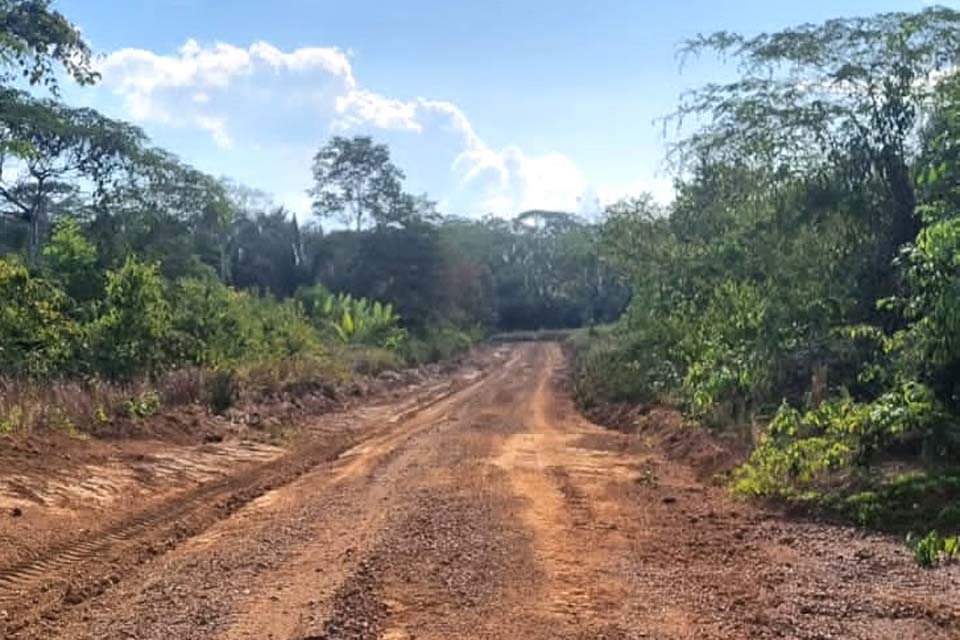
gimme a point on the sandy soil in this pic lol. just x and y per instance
(485, 508)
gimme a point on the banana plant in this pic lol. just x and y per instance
(353, 320)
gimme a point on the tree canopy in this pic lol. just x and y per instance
(356, 182)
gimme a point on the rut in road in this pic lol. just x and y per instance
(499, 512)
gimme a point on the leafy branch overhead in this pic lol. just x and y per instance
(35, 40)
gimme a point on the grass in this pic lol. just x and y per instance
(933, 549)
(97, 406)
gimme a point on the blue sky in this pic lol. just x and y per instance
(487, 106)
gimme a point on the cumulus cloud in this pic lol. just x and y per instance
(204, 87)
(277, 106)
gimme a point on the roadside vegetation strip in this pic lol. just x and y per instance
(801, 290)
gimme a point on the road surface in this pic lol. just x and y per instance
(491, 510)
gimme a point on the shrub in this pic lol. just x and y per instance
(133, 325)
(71, 261)
(40, 340)
(438, 343)
(635, 362)
(901, 502)
(372, 360)
(223, 390)
(210, 325)
(799, 449)
(728, 352)
(278, 328)
(143, 405)
(605, 370)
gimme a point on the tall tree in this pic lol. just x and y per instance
(34, 40)
(841, 99)
(356, 182)
(69, 158)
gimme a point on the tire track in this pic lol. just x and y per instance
(72, 573)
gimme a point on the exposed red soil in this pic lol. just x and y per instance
(487, 509)
(666, 430)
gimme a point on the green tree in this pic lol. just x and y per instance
(37, 336)
(356, 182)
(134, 323)
(71, 260)
(74, 159)
(842, 100)
(268, 254)
(34, 40)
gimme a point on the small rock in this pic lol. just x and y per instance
(669, 500)
(16, 512)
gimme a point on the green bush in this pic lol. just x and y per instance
(801, 449)
(278, 328)
(614, 370)
(134, 324)
(143, 405)
(901, 502)
(438, 343)
(728, 352)
(70, 260)
(39, 337)
(211, 325)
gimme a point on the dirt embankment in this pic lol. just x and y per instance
(487, 509)
(665, 430)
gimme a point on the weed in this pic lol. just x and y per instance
(101, 416)
(933, 549)
(11, 421)
(143, 405)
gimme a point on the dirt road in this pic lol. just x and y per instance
(490, 510)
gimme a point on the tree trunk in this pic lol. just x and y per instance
(906, 225)
(33, 250)
(224, 264)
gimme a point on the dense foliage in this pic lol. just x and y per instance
(807, 277)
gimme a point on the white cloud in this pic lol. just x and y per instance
(203, 86)
(278, 106)
(217, 127)
(359, 107)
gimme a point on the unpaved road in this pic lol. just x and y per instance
(492, 510)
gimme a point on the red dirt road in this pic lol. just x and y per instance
(489, 509)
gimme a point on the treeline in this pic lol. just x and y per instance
(118, 260)
(807, 277)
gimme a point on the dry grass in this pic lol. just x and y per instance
(96, 406)
(75, 406)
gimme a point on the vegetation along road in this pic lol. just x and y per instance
(482, 506)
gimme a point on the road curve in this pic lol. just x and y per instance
(494, 511)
